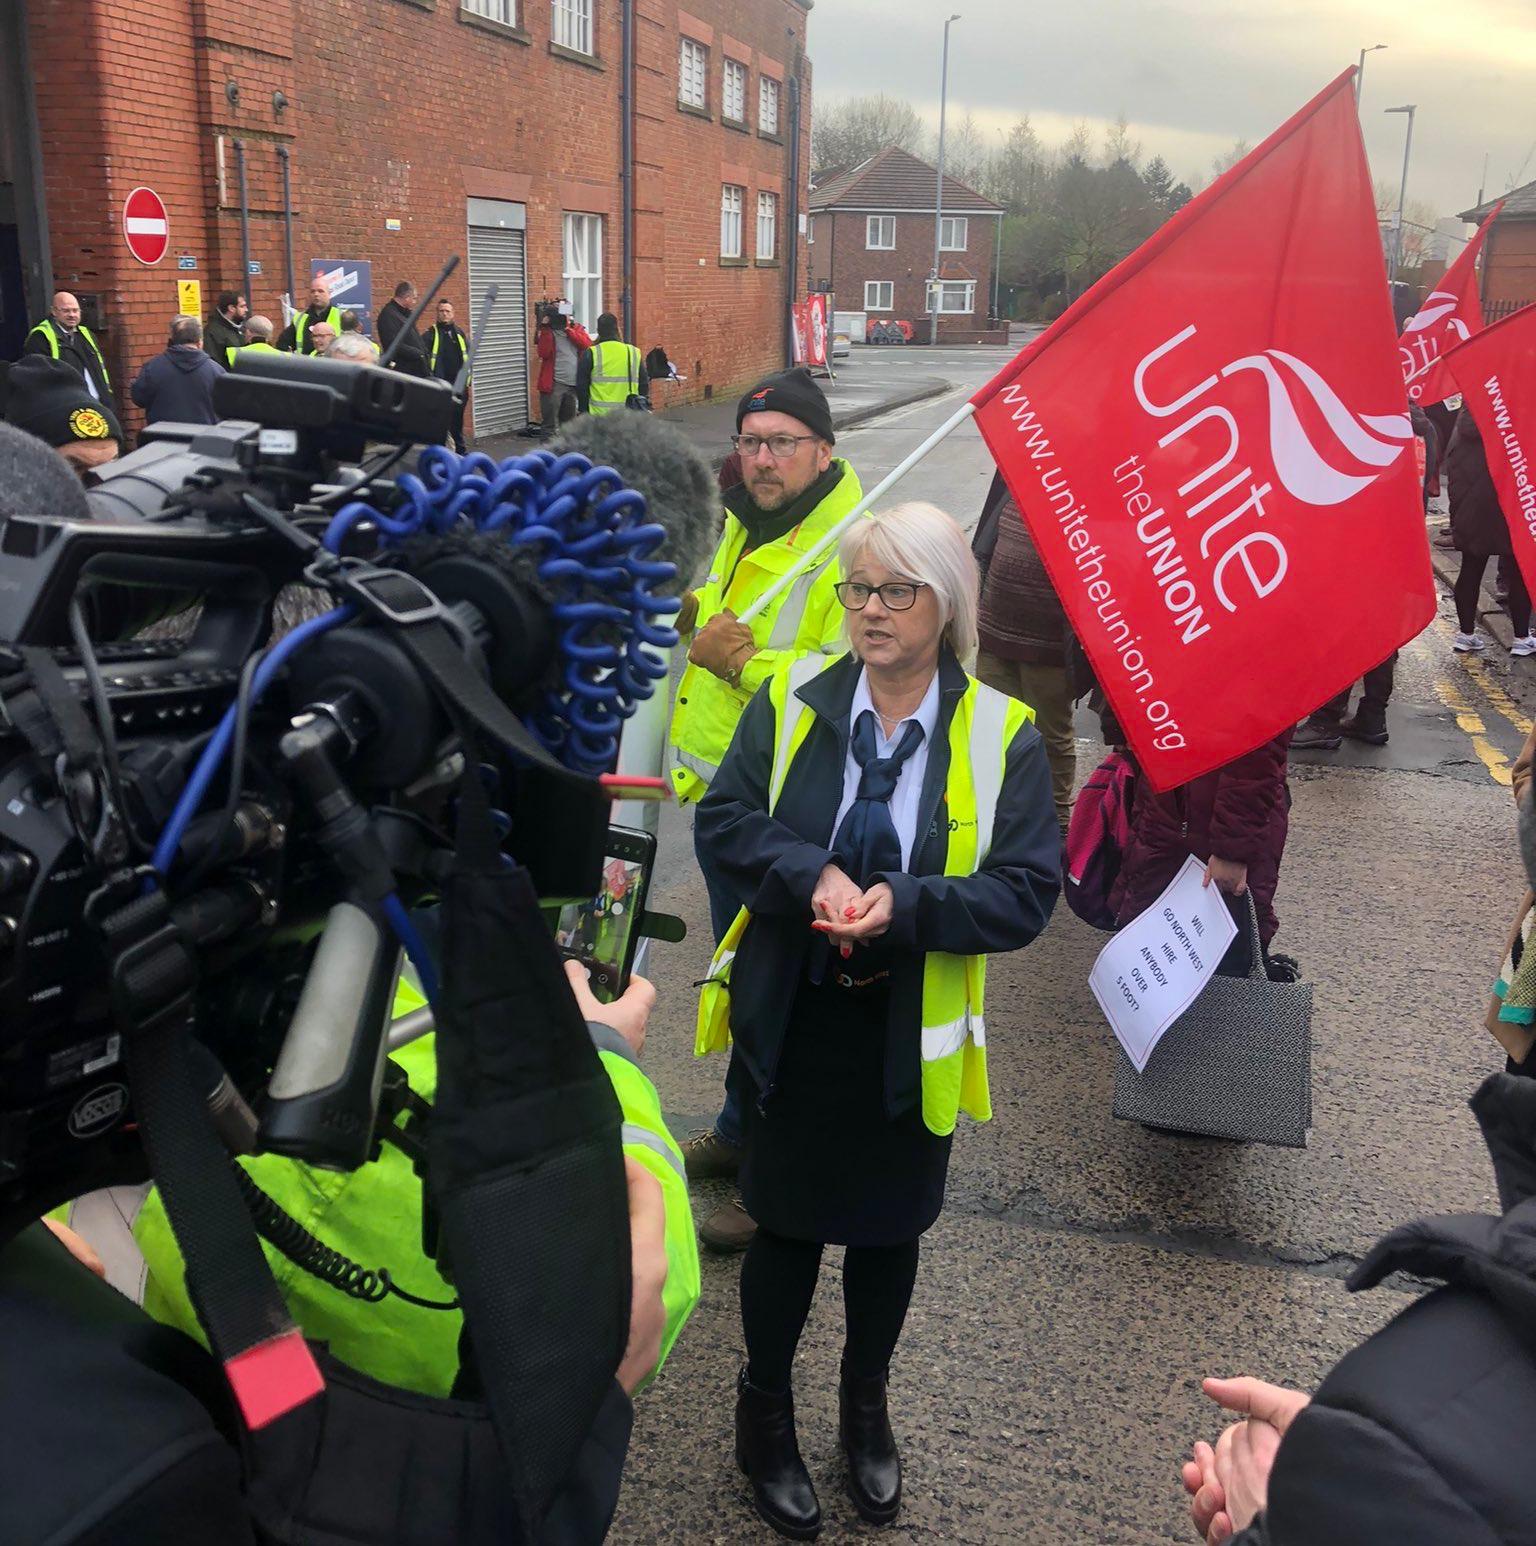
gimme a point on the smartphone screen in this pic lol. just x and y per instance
(603, 933)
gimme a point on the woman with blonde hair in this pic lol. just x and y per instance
(885, 822)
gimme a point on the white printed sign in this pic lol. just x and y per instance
(1155, 967)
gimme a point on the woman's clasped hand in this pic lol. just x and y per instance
(847, 915)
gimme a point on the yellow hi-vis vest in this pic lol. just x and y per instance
(259, 347)
(50, 331)
(954, 1032)
(302, 321)
(806, 620)
(615, 375)
(373, 1215)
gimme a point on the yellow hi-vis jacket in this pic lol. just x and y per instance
(805, 621)
(301, 324)
(49, 329)
(615, 375)
(954, 1043)
(259, 347)
(373, 1216)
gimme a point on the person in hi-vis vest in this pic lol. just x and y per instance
(612, 371)
(63, 336)
(884, 823)
(793, 492)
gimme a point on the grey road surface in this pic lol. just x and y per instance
(1085, 1272)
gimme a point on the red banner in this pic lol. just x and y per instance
(1496, 372)
(808, 320)
(1452, 312)
(1212, 449)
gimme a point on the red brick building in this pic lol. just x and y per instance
(872, 247)
(410, 130)
(1509, 254)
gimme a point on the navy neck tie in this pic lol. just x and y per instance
(866, 842)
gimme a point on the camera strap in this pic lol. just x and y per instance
(153, 972)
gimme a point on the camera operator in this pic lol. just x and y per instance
(561, 342)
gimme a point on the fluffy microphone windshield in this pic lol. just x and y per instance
(660, 462)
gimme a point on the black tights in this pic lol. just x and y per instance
(778, 1280)
(1469, 583)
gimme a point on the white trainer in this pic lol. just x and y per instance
(1525, 646)
(1469, 643)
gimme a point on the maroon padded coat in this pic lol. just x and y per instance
(1238, 812)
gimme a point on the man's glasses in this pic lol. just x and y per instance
(895, 595)
(782, 446)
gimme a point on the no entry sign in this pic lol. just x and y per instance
(146, 225)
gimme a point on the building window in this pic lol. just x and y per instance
(952, 233)
(957, 297)
(767, 225)
(583, 272)
(880, 233)
(879, 295)
(693, 74)
(767, 105)
(810, 231)
(573, 25)
(504, 11)
(732, 198)
(733, 96)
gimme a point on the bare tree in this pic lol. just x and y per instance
(849, 131)
(1229, 158)
(965, 152)
(1118, 144)
(1019, 171)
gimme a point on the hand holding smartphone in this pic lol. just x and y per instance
(603, 933)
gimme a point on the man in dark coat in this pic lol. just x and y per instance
(176, 387)
(63, 336)
(295, 338)
(1422, 1435)
(412, 356)
(1481, 531)
(446, 348)
(225, 328)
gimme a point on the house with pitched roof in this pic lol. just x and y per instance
(871, 244)
(1509, 255)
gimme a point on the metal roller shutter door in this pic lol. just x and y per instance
(500, 402)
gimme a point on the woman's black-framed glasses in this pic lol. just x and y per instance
(895, 595)
(782, 446)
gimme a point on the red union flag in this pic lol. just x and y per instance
(1496, 372)
(1451, 314)
(1212, 446)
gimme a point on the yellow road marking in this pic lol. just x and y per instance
(1496, 695)
(1471, 725)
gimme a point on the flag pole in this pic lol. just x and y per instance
(889, 481)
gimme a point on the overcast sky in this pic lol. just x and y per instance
(1195, 75)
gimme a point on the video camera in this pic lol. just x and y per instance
(480, 620)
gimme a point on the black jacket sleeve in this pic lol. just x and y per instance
(288, 339)
(1341, 1479)
(37, 343)
(584, 378)
(143, 389)
(1008, 901)
(768, 868)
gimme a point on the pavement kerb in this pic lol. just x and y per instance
(850, 417)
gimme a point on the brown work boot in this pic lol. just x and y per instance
(729, 1228)
(707, 1156)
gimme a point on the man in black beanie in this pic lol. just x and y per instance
(46, 397)
(793, 492)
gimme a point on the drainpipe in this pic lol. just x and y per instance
(792, 254)
(283, 153)
(245, 223)
(627, 169)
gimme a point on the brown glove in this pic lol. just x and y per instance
(722, 646)
(689, 614)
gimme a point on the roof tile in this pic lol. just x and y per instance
(895, 179)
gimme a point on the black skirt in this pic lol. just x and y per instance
(823, 1160)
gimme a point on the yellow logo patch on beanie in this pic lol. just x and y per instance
(89, 424)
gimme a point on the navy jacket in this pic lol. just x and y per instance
(1423, 1436)
(772, 863)
(177, 387)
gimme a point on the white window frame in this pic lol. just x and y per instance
(733, 91)
(874, 227)
(503, 11)
(767, 92)
(733, 201)
(968, 286)
(573, 26)
(767, 226)
(879, 285)
(810, 230)
(693, 74)
(582, 266)
(951, 226)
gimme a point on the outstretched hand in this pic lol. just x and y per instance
(1229, 1485)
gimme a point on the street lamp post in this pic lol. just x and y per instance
(938, 215)
(1360, 73)
(1402, 192)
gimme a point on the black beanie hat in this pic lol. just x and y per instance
(793, 392)
(47, 398)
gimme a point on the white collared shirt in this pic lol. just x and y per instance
(909, 781)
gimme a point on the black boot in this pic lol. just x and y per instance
(769, 1457)
(874, 1467)
(1368, 723)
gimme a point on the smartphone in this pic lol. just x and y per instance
(603, 933)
